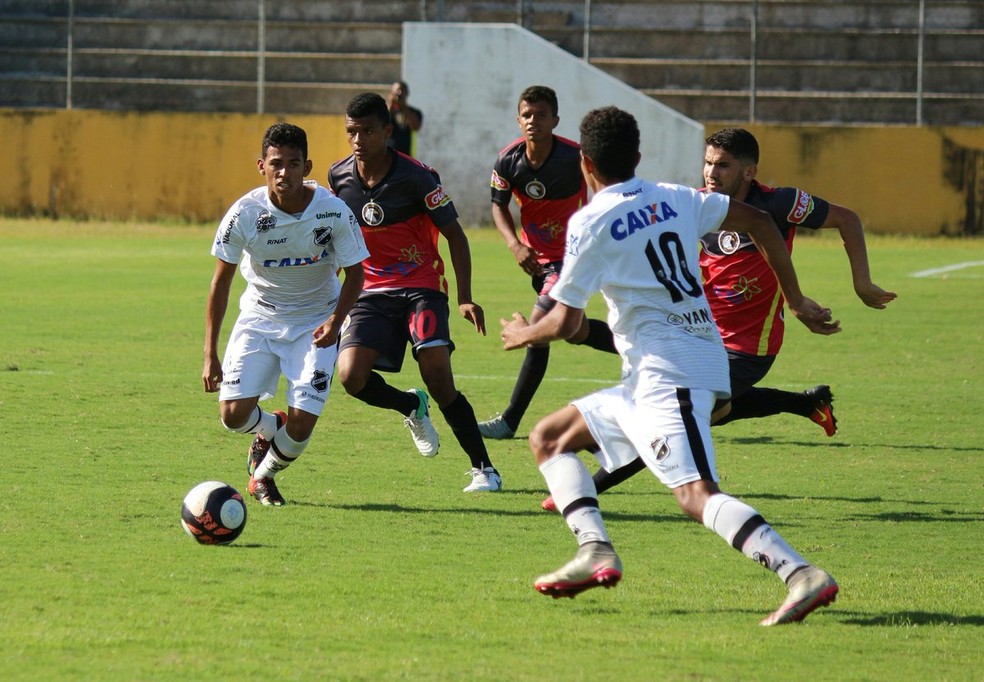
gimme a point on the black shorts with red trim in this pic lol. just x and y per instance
(387, 320)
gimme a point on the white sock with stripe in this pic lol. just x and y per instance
(575, 495)
(745, 530)
(284, 450)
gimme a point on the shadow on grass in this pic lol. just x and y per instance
(911, 517)
(909, 619)
(770, 440)
(391, 508)
(899, 619)
(941, 515)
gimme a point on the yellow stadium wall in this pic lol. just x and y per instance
(900, 180)
(131, 165)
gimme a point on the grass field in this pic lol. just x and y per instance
(380, 568)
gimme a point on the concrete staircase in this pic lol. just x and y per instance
(816, 61)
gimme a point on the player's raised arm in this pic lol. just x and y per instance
(848, 223)
(763, 231)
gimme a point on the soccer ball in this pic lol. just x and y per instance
(213, 513)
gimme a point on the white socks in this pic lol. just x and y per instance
(745, 530)
(259, 422)
(283, 451)
(575, 495)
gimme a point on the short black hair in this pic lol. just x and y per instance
(540, 93)
(285, 135)
(738, 142)
(610, 138)
(368, 104)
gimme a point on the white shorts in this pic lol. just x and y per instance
(260, 350)
(670, 428)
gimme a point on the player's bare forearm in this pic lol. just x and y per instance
(525, 256)
(215, 310)
(327, 333)
(561, 322)
(460, 261)
(848, 224)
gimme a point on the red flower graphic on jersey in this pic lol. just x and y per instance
(553, 228)
(746, 288)
(411, 254)
(742, 290)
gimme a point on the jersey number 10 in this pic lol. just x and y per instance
(671, 270)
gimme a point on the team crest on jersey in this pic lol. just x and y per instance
(320, 381)
(265, 222)
(535, 189)
(436, 199)
(801, 209)
(499, 182)
(372, 214)
(322, 236)
(728, 242)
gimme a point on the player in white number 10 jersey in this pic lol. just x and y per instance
(636, 243)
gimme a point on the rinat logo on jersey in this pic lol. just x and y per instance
(657, 212)
(265, 222)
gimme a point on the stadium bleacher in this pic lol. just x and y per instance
(898, 62)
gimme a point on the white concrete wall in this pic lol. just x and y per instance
(467, 78)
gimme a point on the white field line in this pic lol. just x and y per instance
(933, 272)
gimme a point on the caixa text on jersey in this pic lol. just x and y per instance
(640, 218)
(291, 262)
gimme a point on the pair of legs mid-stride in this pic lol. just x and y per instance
(671, 432)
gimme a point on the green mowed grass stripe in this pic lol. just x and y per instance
(380, 568)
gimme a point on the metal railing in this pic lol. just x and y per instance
(586, 20)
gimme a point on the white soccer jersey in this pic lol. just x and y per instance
(290, 262)
(637, 243)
